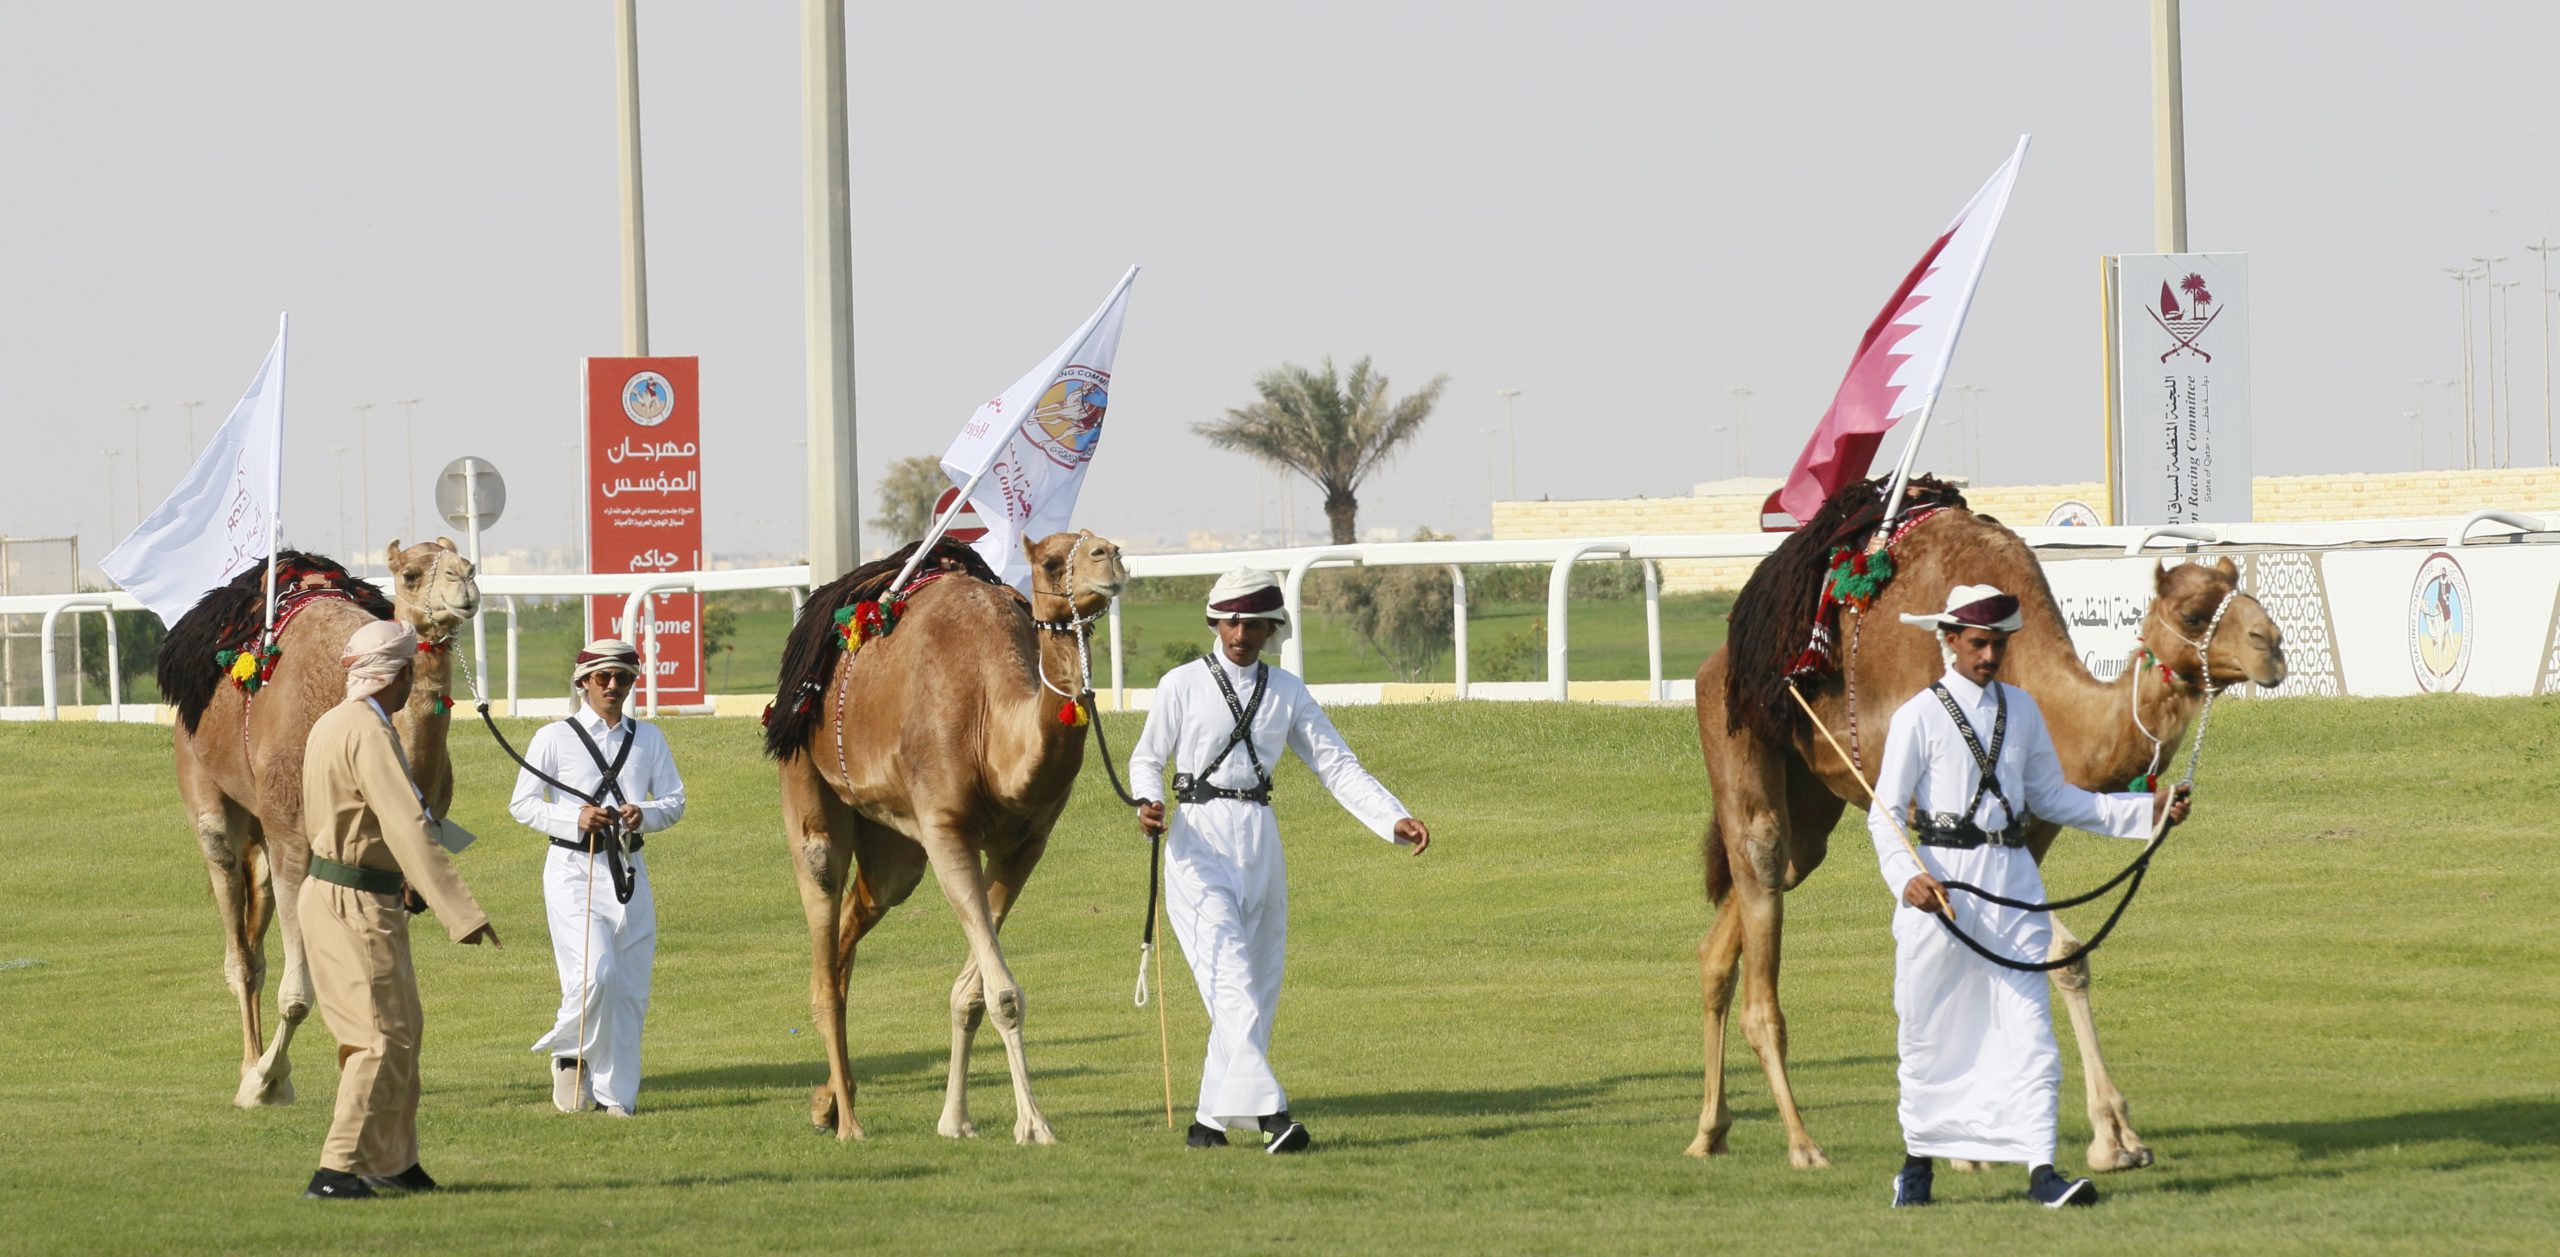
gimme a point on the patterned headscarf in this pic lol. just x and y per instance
(606, 654)
(376, 655)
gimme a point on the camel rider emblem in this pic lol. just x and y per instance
(648, 398)
(2440, 624)
(1067, 422)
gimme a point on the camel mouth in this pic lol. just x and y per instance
(1108, 588)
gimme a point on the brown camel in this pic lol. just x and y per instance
(239, 758)
(1776, 798)
(942, 743)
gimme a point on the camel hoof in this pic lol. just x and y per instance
(962, 1128)
(1808, 1157)
(1038, 1132)
(828, 1119)
(1961, 1166)
(2105, 1158)
(257, 1093)
(1708, 1144)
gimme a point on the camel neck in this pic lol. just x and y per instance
(2098, 726)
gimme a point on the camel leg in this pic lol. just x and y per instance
(1718, 952)
(819, 862)
(968, 996)
(228, 868)
(2113, 1145)
(270, 1080)
(955, 866)
(1763, 914)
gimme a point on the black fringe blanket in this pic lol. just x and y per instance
(230, 618)
(810, 652)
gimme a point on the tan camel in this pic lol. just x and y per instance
(239, 763)
(1776, 801)
(940, 743)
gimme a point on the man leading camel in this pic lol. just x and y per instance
(1980, 1072)
(371, 842)
(604, 915)
(1224, 721)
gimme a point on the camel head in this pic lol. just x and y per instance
(2247, 645)
(1073, 575)
(433, 587)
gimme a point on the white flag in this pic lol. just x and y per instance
(219, 521)
(1025, 451)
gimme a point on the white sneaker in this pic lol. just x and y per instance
(614, 1110)
(569, 1092)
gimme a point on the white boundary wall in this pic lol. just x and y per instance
(2371, 608)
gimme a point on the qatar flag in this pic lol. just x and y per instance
(1901, 361)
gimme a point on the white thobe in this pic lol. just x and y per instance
(603, 948)
(1226, 887)
(1981, 1076)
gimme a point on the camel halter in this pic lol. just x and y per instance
(2169, 677)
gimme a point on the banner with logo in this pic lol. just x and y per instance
(2178, 353)
(1025, 450)
(643, 478)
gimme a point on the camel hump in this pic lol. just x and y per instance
(230, 618)
(809, 654)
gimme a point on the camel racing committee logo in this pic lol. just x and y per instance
(648, 399)
(1067, 421)
(2185, 324)
(2440, 624)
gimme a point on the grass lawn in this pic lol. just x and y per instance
(2333, 1009)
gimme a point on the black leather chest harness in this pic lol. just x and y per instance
(1195, 787)
(1958, 830)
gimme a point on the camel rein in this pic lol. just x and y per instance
(2137, 870)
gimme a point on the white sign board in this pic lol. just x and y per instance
(2180, 352)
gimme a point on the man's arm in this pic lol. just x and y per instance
(532, 803)
(1148, 758)
(393, 800)
(1317, 742)
(1898, 771)
(2052, 798)
(665, 804)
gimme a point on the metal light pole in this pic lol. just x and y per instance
(2506, 372)
(635, 264)
(2168, 131)
(2463, 276)
(2545, 248)
(2489, 345)
(112, 536)
(136, 410)
(1741, 430)
(1511, 421)
(834, 525)
(191, 405)
(2417, 440)
(341, 452)
(409, 484)
(364, 479)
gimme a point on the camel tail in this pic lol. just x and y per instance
(809, 654)
(1719, 867)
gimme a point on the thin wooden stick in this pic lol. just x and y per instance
(1164, 1037)
(1945, 909)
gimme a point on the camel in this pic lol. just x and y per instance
(1778, 788)
(951, 741)
(239, 757)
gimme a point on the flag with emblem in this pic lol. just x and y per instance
(1902, 360)
(1020, 460)
(220, 520)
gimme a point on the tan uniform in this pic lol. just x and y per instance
(360, 807)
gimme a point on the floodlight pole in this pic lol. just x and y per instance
(635, 253)
(833, 485)
(1511, 421)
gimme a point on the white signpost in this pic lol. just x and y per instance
(2178, 412)
(470, 494)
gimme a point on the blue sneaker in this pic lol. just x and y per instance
(2054, 1191)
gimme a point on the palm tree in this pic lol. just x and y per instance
(1331, 430)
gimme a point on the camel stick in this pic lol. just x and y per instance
(1164, 1036)
(1945, 909)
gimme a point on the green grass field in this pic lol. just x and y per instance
(2333, 1010)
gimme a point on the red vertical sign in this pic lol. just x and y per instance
(644, 502)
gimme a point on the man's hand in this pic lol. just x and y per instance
(1415, 832)
(1924, 892)
(2180, 804)
(631, 818)
(1151, 817)
(485, 934)
(592, 818)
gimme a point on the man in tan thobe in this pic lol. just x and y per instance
(371, 840)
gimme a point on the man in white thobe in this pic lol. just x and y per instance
(1226, 887)
(595, 882)
(1980, 1073)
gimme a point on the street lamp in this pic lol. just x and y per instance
(2489, 345)
(2545, 248)
(190, 404)
(1741, 429)
(2506, 373)
(1511, 421)
(409, 438)
(136, 410)
(2463, 276)
(364, 479)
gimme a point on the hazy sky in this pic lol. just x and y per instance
(1623, 210)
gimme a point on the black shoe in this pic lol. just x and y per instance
(336, 1185)
(1280, 1133)
(2054, 1191)
(413, 1179)
(1204, 1137)
(1911, 1186)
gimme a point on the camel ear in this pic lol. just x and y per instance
(447, 543)
(2228, 568)
(2160, 579)
(391, 553)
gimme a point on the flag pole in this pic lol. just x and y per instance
(1938, 373)
(275, 481)
(943, 521)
